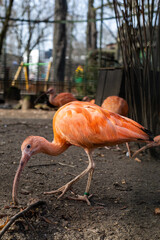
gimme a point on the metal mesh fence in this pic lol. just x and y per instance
(79, 83)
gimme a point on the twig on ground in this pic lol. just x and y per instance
(41, 165)
(20, 214)
(33, 229)
(64, 164)
(74, 175)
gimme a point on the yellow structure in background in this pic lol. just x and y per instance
(26, 77)
(25, 74)
(24, 66)
(17, 74)
(47, 75)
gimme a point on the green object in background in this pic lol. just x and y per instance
(39, 64)
(79, 80)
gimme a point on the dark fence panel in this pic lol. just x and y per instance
(100, 86)
(144, 103)
(110, 83)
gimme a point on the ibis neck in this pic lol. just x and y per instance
(52, 96)
(53, 148)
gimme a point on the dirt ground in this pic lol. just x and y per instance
(126, 192)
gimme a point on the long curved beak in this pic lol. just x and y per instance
(45, 93)
(40, 97)
(24, 159)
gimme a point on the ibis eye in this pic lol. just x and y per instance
(28, 146)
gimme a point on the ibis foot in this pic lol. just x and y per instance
(61, 190)
(84, 198)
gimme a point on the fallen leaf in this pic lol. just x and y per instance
(2, 226)
(48, 220)
(123, 181)
(157, 211)
(137, 159)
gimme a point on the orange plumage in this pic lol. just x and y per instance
(91, 126)
(84, 125)
(92, 101)
(116, 104)
(60, 99)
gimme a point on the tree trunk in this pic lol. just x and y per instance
(2, 38)
(5, 24)
(91, 27)
(59, 43)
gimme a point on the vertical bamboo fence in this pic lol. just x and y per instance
(138, 24)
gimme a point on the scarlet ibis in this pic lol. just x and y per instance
(60, 99)
(117, 105)
(84, 125)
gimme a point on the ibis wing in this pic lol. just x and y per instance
(88, 125)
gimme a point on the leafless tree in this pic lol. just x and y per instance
(31, 33)
(91, 27)
(5, 23)
(59, 42)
